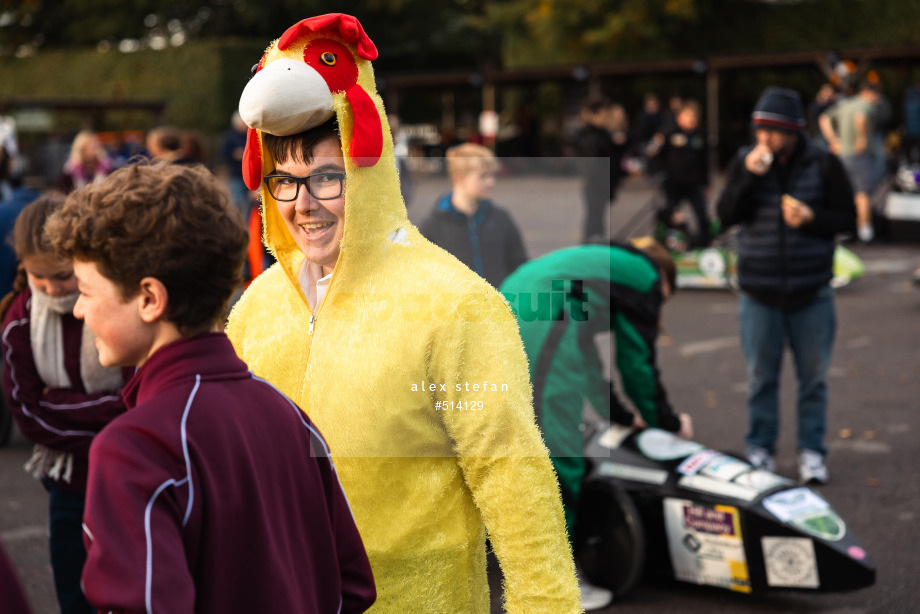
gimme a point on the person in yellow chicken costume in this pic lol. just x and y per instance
(409, 363)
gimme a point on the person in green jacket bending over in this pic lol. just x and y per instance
(562, 301)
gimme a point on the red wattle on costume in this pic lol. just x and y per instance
(367, 133)
(252, 161)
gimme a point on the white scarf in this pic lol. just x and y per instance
(47, 337)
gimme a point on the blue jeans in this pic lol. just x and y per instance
(68, 555)
(810, 332)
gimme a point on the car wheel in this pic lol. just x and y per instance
(610, 539)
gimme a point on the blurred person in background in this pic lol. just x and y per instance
(231, 152)
(881, 124)
(165, 143)
(191, 148)
(790, 200)
(618, 126)
(88, 163)
(911, 142)
(849, 128)
(684, 161)
(402, 152)
(9, 155)
(122, 147)
(466, 222)
(596, 152)
(669, 119)
(825, 98)
(647, 122)
(9, 261)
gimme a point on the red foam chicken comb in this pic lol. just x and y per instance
(345, 26)
(337, 66)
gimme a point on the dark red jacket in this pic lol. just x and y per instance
(63, 419)
(214, 493)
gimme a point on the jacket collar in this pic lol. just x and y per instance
(445, 204)
(206, 355)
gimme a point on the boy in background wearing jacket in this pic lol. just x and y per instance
(213, 492)
(468, 224)
(684, 159)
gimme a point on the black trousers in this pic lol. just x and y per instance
(67, 552)
(674, 196)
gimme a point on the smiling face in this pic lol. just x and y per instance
(316, 225)
(122, 337)
(51, 275)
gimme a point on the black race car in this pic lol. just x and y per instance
(655, 503)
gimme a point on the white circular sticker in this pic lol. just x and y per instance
(712, 264)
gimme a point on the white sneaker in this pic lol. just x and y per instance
(761, 458)
(593, 597)
(812, 469)
(866, 233)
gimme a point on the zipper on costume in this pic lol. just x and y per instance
(312, 320)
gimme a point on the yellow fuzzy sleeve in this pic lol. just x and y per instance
(502, 455)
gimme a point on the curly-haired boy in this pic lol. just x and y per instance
(213, 492)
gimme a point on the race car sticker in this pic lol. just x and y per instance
(761, 480)
(664, 446)
(701, 483)
(790, 561)
(703, 268)
(825, 524)
(614, 436)
(692, 464)
(631, 472)
(725, 467)
(712, 263)
(705, 544)
(796, 503)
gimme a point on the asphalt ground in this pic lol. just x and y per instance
(873, 421)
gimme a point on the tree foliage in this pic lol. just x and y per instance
(445, 34)
(557, 31)
(410, 34)
(543, 32)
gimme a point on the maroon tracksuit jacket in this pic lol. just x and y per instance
(64, 419)
(214, 493)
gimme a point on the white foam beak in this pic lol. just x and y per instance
(286, 97)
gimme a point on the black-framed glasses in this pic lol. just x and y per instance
(321, 186)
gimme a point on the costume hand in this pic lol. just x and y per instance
(686, 426)
(795, 212)
(759, 159)
(638, 422)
